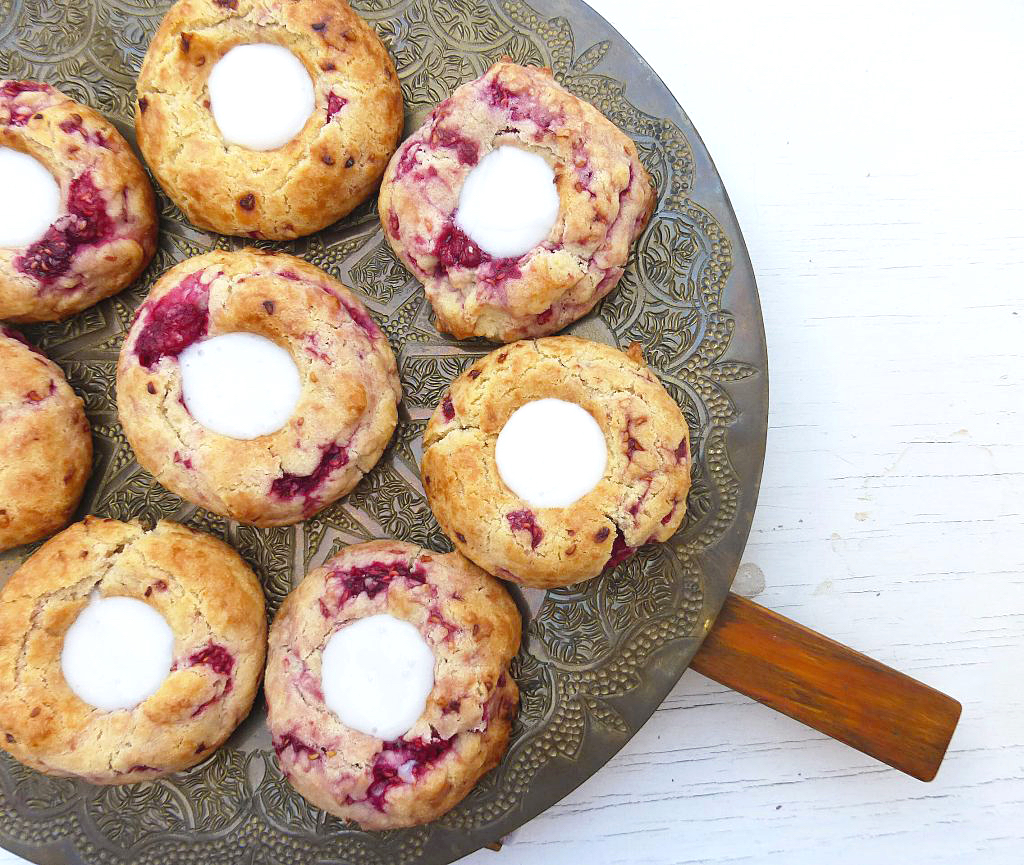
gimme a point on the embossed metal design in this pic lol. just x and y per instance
(598, 658)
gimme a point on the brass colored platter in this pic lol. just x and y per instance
(597, 659)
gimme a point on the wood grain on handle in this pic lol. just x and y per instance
(829, 687)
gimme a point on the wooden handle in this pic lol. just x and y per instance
(829, 687)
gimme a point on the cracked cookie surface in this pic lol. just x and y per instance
(640, 499)
(473, 628)
(605, 192)
(45, 444)
(208, 596)
(347, 408)
(319, 176)
(105, 233)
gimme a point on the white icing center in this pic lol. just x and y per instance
(509, 202)
(117, 653)
(551, 453)
(377, 674)
(240, 385)
(31, 198)
(260, 95)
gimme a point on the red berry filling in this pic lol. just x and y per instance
(313, 348)
(523, 521)
(665, 520)
(16, 88)
(175, 321)
(159, 585)
(74, 124)
(371, 579)
(20, 114)
(435, 618)
(222, 662)
(408, 161)
(448, 409)
(85, 223)
(497, 271)
(334, 104)
(289, 485)
(455, 249)
(309, 684)
(216, 657)
(401, 758)
(620, 550)
(290, 740)
(467, 151)
(683, 451)
(362, 318)
(518, 106)
(507, 100)
(632, 445)
(634, 508)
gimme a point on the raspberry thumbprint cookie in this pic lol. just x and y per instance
(78, 219)
(255, 385)
(515, 204)
(127, 654)
(388, 688)
(550, 460)
(45, 444)
(267, 119)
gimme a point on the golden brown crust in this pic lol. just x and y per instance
(97, 172)
(473, 627)
(606, 200)
(209, 598)
(346, 412)
(45, 445)
(641, 498)
(328, 169)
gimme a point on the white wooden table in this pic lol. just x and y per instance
(874, 152)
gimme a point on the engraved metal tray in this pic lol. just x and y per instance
(597, 659)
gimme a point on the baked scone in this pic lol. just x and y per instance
(472, 626)
(209, 598)
(45, 444)
(317, 177)
(640, 498)
(605, 193)
(346, 409)
(106, 226)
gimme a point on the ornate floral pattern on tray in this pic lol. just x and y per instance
(598, 658)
